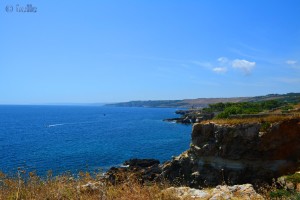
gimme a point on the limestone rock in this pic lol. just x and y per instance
(242, 192)
(186, 192)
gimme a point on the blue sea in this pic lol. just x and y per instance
(87, 138)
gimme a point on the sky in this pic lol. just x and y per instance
(114, 51)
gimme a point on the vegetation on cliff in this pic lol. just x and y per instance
(227, 109)
(281, 104)
(241, 112)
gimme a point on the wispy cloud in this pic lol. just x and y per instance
(202, 64)
(220, 70)
(251, 48)
(223, 64)
(244, 65)
(146, 58)
(253, 53)
(241, 53)
(291, 62)
(223, 60)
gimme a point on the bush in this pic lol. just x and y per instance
(265, 126)
(295, 178)
(279, 193)
(227, 109)
(287, 107)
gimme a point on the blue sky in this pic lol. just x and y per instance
(112, 51)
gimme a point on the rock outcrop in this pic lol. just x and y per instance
(139, 169)
(190, 116)
(290, 182)
(242, 192)
(237, 154)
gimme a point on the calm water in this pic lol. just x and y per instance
(76, 138)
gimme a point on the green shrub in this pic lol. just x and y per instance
(295, 178)
(279, 193)
(227, 109)
(287, 107)
(265, 126)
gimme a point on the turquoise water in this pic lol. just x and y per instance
(74, 138)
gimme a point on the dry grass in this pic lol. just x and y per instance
(69, 187)
(66, 187)
(271, 119)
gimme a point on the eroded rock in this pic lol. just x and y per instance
(289, 182)
(237, 154)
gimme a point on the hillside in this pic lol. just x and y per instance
(185, 103)
(204, 102)
(289, 97)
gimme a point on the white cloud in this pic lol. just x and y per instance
(223, 64)
(244, 65)
(223, 60)
(220, 70)
(291, 62)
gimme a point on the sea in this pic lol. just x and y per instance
(85, 138)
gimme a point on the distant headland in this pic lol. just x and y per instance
(204, 102)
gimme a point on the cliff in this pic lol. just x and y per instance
(237, 153)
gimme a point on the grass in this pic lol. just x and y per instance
(25, 186)
(30, 186)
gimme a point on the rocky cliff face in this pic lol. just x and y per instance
(237, 154)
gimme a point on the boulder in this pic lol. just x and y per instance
(142, 170)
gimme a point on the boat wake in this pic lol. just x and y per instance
(61, 124)
(53, 125)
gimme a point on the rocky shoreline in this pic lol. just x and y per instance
(249, 153)
(190, 116)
